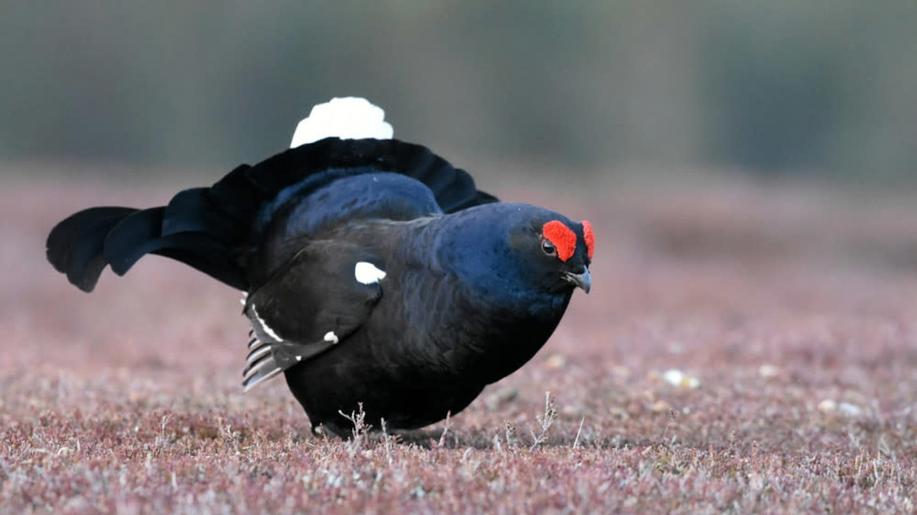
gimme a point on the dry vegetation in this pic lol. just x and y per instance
(744, 349)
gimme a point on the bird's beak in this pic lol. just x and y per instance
(583, 280)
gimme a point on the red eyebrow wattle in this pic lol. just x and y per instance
(562, 237)
(589, 238)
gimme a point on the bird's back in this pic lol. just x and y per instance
(354, 198)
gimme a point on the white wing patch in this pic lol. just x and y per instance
(264, 327)
(331, 337)
(367, 273)
(345, 118)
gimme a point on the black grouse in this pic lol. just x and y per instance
(373, 272)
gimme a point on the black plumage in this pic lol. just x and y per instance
(375, 273)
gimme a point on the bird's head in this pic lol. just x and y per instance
(521, 250)
(571, 244)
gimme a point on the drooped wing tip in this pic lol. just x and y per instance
(345, 118)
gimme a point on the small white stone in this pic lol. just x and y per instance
(678, 378)
(827, 406)
(368, 273)
(298, 358)
(768, 371)
(331, 337)
(846, 409)
(850, 410)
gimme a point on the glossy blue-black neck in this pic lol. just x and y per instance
(487, 248)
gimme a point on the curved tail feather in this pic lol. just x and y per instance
(84, 243)
(75, 245)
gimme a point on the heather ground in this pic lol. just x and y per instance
(745, 348)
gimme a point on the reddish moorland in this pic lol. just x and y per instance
(745, 348)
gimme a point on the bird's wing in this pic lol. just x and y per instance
(322, 295)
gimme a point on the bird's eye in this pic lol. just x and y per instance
(548, 248)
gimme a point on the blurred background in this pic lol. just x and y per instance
(770, 88)
(749, 167)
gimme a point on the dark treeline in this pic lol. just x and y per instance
(778, 86)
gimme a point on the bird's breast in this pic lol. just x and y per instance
(451, 330)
